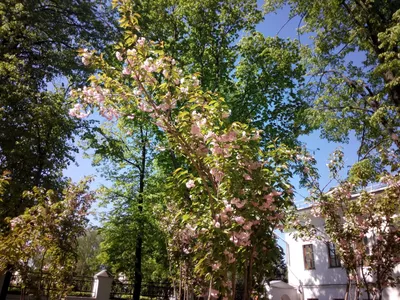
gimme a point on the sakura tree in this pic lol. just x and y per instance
(364, 226)
(229, 195)
(42, 242)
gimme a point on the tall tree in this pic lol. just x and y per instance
(124, 151)
(346, 95)
(260, 77)
(38, 44)
(229, 195)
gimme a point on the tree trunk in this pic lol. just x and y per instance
(139, 239)
(6, 284)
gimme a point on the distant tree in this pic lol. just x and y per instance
(88, 250)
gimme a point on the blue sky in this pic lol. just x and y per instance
(272, 25)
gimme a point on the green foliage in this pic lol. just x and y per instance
(200, 35)
(269, 77)
(35, 147)
(38, 44)
(351, 97)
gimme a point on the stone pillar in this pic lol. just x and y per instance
(102, 285)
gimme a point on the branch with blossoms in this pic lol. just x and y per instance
(238, 194)
(364, 226)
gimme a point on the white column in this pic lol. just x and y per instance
(102, 285)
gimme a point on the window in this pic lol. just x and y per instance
(308, 255)
(333, 257)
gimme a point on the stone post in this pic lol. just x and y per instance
(102, 285)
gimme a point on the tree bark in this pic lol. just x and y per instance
(6, 284)
(139, 239)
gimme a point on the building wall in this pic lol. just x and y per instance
(323, 282)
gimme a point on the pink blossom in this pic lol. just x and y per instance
(248, 225)
(238, 203)
(190, 184)
(213, 293)
(225, 114)
(195, 130)
(119, 56)
(216, 266)
(126, 71)
(86, 57)
(247, 177)
(228, 208)
(217, 174)
(141, 41)
(240, 220)
(209, 135)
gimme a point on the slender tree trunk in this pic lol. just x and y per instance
(357, 290)
(346, 295)
(139, 239)
(6, 284)
(365, 281)
(234, 282)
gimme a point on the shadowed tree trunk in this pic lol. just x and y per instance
(139, 239)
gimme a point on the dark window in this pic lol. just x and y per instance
(308, 255)
(312, 298)
(333, 257)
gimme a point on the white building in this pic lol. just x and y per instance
(315, 271)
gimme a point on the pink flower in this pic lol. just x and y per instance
(239, 220)
(214, 293)
(141, 41)
(238, 203)
(228, 208)
(119, 56)
(225, 115)
(224, 217)
(247, 177)
(195, 130)
(126, 71)
(216, 266)
(248, 225)
(190, 184)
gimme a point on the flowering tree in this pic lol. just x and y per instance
(44, 238)
(364, 226)
(229, 195)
